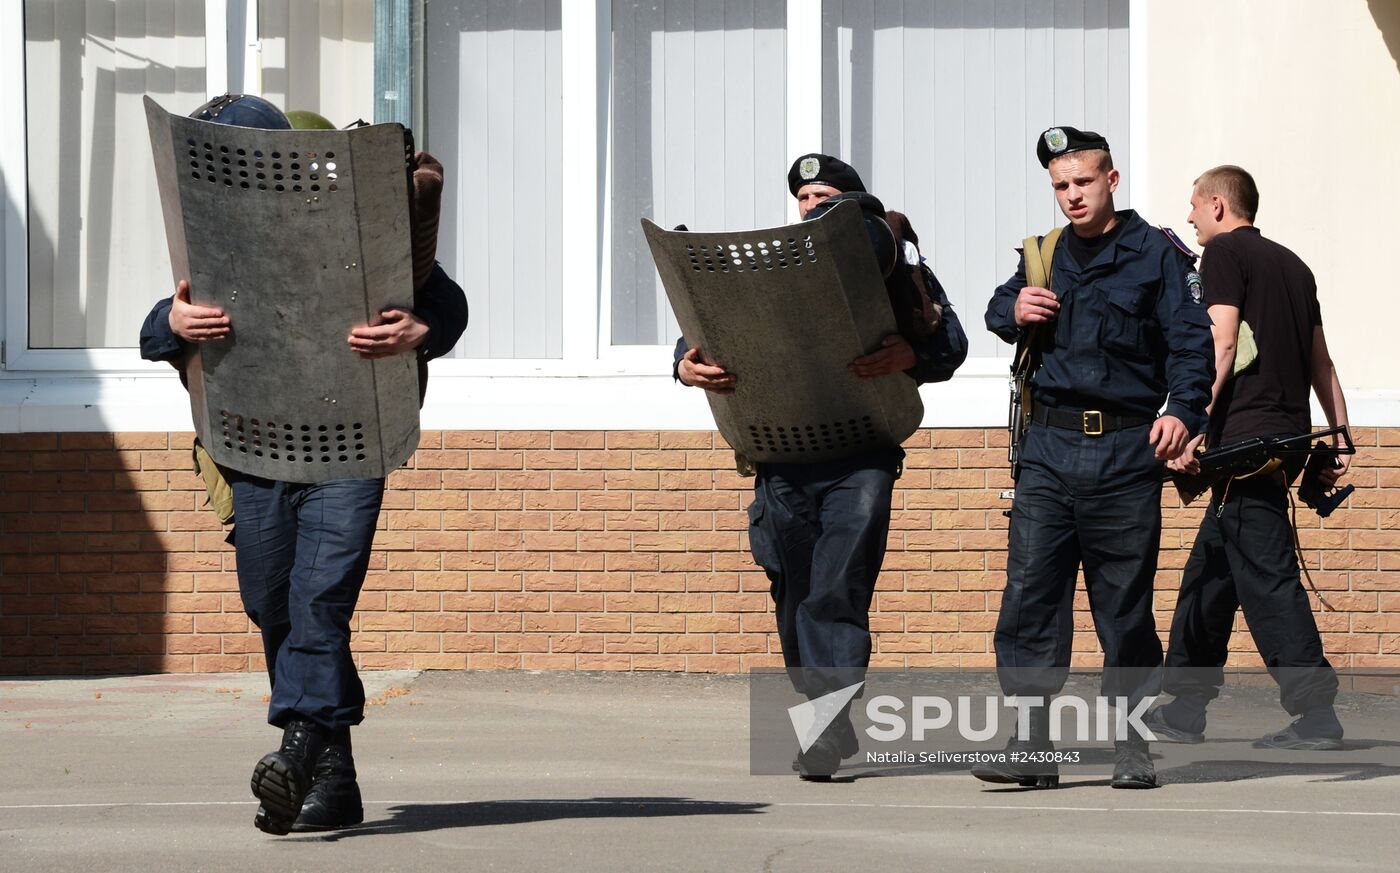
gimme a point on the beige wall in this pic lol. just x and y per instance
(1304, 94)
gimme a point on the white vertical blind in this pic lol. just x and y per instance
(97, 253)
(698, 136)
(494, 117)
(938, 106)
(318, 55)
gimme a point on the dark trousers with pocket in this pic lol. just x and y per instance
(1083, 500)
(1244, 558)
(303, 550)
(819, 531)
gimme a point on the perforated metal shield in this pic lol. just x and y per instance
(299, 235)
(787, 309)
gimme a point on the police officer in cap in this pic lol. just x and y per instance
(819, 529)
(1120, 337)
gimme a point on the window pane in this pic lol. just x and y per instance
(494, 118)
(318, 55)
(698, 136)
(938, 107)
(97, 253)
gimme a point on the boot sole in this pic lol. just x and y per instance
(281, 789)
(1132, 784)
(1318, 744)
(348, 822)
(1027, 780)
(819, 770)
(1172, 735)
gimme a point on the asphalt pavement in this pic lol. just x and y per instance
(640, 772)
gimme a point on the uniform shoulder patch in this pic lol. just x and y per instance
(1176, 241)
(1194, 286)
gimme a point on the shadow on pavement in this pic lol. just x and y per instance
(1343, 769)
(412, 818)
(1237, 771)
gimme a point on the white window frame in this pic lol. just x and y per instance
(594, 384)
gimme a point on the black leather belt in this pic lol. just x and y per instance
(1087, 421)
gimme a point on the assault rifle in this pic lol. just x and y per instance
(1018, 414)
(1262, 454)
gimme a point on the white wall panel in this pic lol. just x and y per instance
(318, 55)
(494, 118)
(697, 136)
(96, 247)
(938, 104)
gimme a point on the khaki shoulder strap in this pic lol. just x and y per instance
(1040, 258)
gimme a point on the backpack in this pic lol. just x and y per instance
(922, 311)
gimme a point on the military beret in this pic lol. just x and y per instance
(1059, 141)
(818, 169)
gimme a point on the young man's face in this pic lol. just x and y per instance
(1084, 191)
(1204, 216)
(808, 196)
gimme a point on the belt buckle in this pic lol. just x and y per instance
(1093, 422)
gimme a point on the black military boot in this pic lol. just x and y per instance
(1132, 765)
(1318, 730)
(1029, 762)
(334, 798)
(282, 778)
(823, 759)
(820, 762)
(1164, 727)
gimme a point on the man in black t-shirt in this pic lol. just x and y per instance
(1243, 556)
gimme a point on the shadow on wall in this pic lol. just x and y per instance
(90, 69)
(1387, 16)
(109, 564)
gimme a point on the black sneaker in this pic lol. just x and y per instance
(1156, 722)
(282, 778)
(1291, 738)
(333, 801)
(1132, 765)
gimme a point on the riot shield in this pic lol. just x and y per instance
(787, 309)
(299, 235)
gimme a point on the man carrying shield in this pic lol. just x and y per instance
(302, 547)
(818, 529)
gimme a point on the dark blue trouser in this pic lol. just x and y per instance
(302, 555)
(1244, 558)
(819, 531)
(1085, 500)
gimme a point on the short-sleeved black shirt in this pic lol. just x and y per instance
(1277, 296)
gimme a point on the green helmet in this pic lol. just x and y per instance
(305, 119)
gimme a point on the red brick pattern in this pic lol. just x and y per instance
(575, 550)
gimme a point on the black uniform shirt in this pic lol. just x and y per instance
(1129, 337)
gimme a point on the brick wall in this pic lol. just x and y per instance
(573, 550)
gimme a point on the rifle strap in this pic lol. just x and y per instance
(1298, 547)
(1039, 256)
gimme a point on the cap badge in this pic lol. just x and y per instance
(809, 168)
(1055, 140)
